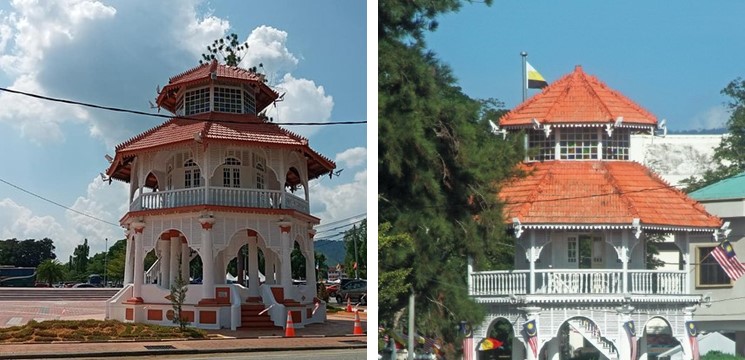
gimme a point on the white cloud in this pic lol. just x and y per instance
(303, 102)
(340, 201)
(105, 202)
(267, 46)
(193, 32)
(352, 157)
(712, 118)
(17, 221)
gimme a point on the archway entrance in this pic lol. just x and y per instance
(498, 341)
(582, 338)
(658, 338)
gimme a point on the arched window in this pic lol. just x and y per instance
(260, 166)
(231, 173)
(192, 175)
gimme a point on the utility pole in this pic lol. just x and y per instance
(356, 262)
(105, 264)
(410, 344)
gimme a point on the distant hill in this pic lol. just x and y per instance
(334, 251)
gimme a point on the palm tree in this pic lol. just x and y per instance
(50, 271)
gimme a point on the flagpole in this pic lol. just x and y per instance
(524, 76)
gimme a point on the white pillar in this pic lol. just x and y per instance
(128, 263)
(285, 262)
(253, 267)
(532, 258)
(175, 253)
(310, 265)
(208, 261)
(624, 255)
(186, 255)
(165, 262)
(139, 260)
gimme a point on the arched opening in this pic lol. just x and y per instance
(498, 341)
(151, 275)
(581, 338)
(298, 265)
(195, 270)
(657, 338)
(293, 181)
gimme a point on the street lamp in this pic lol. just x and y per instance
(105, 266)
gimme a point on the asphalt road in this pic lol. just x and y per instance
(333, 354)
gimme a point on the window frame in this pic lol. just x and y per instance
(711, 262)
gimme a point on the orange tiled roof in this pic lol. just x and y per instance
(202, 75)
(578, 98)
(240, 128)
(599, 192)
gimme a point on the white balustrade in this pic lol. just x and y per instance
(499, 282)
(657, 282)
(257, 198)
(584, 281)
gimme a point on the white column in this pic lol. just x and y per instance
(186, 256)
(253, 267)
(208, 261)
(128, 264)
(175, 253)
(285, 262)
(624, 255)
(165, 263)
(139, 260)
(532, 258)
(310, 265)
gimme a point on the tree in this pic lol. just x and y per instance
(229, 50)
(26, 253)
(355, 245)
(177, 297)
(50, 271)
(439, 168)
(297, 262)
(79, 261)
(729, 156)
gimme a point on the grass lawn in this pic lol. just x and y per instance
(92, 330)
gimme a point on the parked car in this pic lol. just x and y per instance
(332, 289)
(355, 290)
(84, 285)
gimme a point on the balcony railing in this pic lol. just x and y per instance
(581, 281)
(255, 198)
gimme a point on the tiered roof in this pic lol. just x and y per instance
(202, 75)
(599, 193)
(581, 99)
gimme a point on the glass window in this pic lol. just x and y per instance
(192, 175)
(197, 101)
(228, 100)
(710, 273)
(617, 146)
(572, 250)
(231, 173)
(540, 147)
(249, 102)
(578, 143)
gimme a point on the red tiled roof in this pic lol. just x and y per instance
(578, 98)
(239, 128)
(599, 192)
(202, 75)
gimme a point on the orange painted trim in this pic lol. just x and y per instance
(197, 209)
(129, 314)
(250, 233)
(285, 229)
(207, 317)
(207, 226)
(155, 314)
(139, 230)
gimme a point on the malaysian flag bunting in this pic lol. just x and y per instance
(465, 329)
(725, 256)
(692, 338)
(631, 332)
(530, 330)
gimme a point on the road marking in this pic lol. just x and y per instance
(14, 321)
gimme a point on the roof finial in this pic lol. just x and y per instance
(578, 68)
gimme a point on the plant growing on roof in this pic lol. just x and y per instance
(228, 50)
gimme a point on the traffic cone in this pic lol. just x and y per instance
(289, 328)
(349, 304)
(357, 324)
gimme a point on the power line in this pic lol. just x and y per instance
(340, 221)
(342, 226)
(136, 112)
(58, 204)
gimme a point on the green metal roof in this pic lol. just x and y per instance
(729, 188)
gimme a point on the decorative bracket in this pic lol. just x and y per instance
(636, 224)
(609, 129)
(547, 129)
(517, 226)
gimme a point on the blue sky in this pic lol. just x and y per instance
(671, 58)
(116, 53)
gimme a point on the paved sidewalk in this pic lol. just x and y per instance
(333, 334)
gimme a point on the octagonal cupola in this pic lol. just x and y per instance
(213, 87)
(578, 117)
